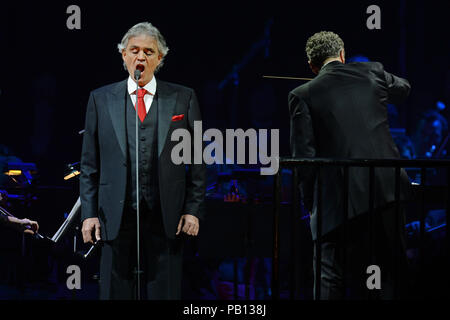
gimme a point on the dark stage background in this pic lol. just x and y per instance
(49, 70)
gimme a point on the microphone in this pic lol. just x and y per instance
(137, 74)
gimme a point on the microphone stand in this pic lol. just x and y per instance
(137, 76)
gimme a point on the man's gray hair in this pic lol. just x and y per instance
(323, 45)
(148, 29)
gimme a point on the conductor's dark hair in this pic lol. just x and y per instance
(323, 45)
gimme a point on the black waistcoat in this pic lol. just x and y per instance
(148, 153)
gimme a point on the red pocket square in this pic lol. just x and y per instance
(178, 117)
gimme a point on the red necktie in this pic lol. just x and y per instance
(142, 112)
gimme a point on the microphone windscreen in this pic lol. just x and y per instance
(137, 74)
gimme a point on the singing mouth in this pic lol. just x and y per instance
(140, 67)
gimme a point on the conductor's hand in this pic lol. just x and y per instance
(188, 224)
(90, 226)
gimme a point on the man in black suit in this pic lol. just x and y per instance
(342, 113)
(171, 196)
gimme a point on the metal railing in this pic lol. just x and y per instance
(320, 163)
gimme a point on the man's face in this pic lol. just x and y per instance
(142, 53)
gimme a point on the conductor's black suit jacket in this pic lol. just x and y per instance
(103, 178)
(342, 114)
(3, 219)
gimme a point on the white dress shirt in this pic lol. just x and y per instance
(148, 98)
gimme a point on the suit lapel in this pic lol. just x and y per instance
(117, 101)
(166, 106)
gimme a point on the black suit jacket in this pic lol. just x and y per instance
(342, 113)
(3, 219)
(103, 175)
